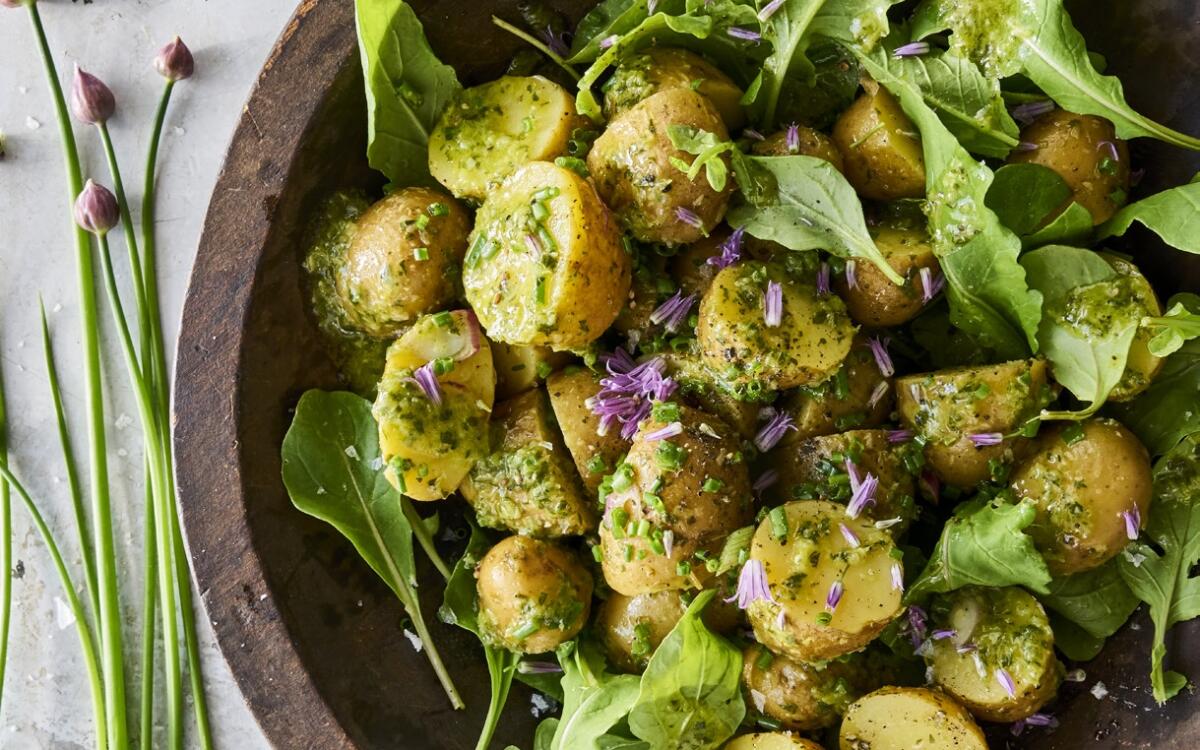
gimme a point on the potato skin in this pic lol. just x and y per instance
(874, 300)
(700, 386)
(1076, 148)
(488, 131)
(563, 296)
(1009, 631)
(895, 718)
(948, 406)
(533, 595)
(520, 367)
(1141, 367)
(811, 342)
(660, 68)
(700, 520)
(843, 400)
(631, 165)
(809, 142)
(801, 570)
(771, 741)
(805, 696)
(631, 627)
(595, 455)
(528, 484)
(1081, 489)
(880, 147)
(381, 285)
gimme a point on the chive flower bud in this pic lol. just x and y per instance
(91, 101)
(174, 61)
(16, 3)
(96, 209)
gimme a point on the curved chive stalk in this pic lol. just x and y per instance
(537, 44)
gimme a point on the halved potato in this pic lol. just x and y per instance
(1141, 366)
(874, 300)
(895, 718)
(655, 69)
(881, 147)
(632, 627)
(488, 131)
(520, 367)
(428, 447)
(771, 741)
(546, 263)
(806, 555)
(595, 455)
(805, 142)
(843, 400)
(700, 385)
(805, 696)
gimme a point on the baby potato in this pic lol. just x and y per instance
(533, 595)
(701, 386)
(950, 407)
(488, 131)
(874, 300)
(1141, 366)
(810, 343)
(631, 165)
(834, 597)
(595, 454)
(804, 696)
(650, 287)
(1012, 642)
(655, 69)
(403, 261)
(1083, 150)
(546, 265)
(816, 468)
(895, 718)
(806, 142)
(881, 147)
(528, 484)
(690, 267)
(429, 444)
(771, 741)
(631, 627)
(673, 498)
(857, 395)
(520, 367)
(1085, 483)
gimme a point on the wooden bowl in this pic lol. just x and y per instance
(313, 637)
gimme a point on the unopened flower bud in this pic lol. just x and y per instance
(96, 209)
(16, 3)
(174, 61)
(91, 101)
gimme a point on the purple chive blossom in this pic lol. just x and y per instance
(662, 433)
(618, 362)
(625, 395)
(792, 139)
(769, 9)
(851, 276)
(836, 589)
(966, 648)
(91, 100)
(538, 667)
(608, 41)
(689, 217)
(913, 49)
(674, 312)
(943, 634)
(427, 381)
(752, 585)
(852, 472)
(765, 481)
(534, 244)
(930, 485)
(931, 284)
(781, 618)
(174, 61)
(773, 431)
(849, 535)
(899, 436)
(986, 439)
(557, 43)
(823, 280)
(897, 577)
(746, 35)
(1133, 522)
(1026, 147)
(1111, 148)
(1036, 720)
(1030, 111)
(877, 394)
(668, 540)
(753, 134)
(888, 523)
(916, 625)
(883, 360)
(773, 304)
(1006, 682)
(731, 250)
(862, 496)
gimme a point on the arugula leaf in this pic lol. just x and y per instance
(1166, 412)
(613, 18)
(785, 30)
(806, 204)
(1173, 214)
(707, 148)
(1072, 640)
(1098, 601)
(331, 469)
(989, 297)
(1023, 195)
(984, 544)
(1162, 574)
(594, 700)
(1072, 226)
(690, 696)
(1037, 38)
(1083, 334)
(818, 100)
(1180, 324)
(407, 88)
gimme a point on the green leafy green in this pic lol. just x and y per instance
(1173, 214)
(1084, 335)
(690, 696)
(1167, 411)
(816, 101)
(1037, 38)
(806, 204)
(1072, 640)
(1071, 227)
(594, 700)
(984, 544)
(613, 18)
(1024, 195)
(1098, 600)
(407, 88)
(1180, 324)
(331, 468)
(707, 148)
(989, 297)
(785, 30)
(1161, 574)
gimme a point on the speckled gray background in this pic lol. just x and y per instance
(46, 704)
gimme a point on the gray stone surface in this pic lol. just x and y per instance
(46, 704)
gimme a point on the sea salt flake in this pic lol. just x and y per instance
(352, 452)
(417, 644)
(1099, 691)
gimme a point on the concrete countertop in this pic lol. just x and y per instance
(46, 703)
